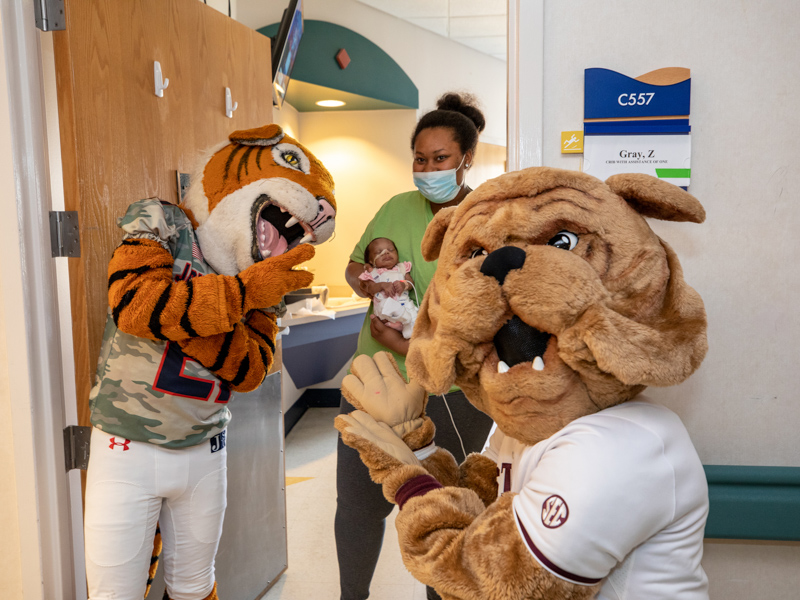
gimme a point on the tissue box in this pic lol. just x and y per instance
(301, 294)
(317, 291)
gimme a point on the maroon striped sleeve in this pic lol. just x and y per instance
(418, 486)
(543, 560)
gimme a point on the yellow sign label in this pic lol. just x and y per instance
(571, 142)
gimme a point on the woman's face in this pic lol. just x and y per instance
(435, 149)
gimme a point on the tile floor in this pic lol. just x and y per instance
(310, 507)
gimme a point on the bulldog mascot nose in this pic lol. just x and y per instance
(554, 306)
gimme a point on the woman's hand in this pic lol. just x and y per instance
(385, 287)
(398, 287)
(391, 338)
(365, 287)
(354, 269)
(372, 288)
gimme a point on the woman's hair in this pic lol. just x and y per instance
(458, 112)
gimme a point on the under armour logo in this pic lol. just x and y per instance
(124, 444)
(555, 512)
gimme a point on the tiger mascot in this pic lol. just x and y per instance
(193, 293)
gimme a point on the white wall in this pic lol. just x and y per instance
(434, 63)
(10, 566)
(289, 120)
(368, 155)
(17, 485)
(742, 406)
(223, 5)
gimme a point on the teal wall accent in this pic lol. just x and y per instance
(371, 72)
(753, 503)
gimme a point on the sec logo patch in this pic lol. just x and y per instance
(555, 512)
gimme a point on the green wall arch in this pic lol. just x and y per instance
(371, 73)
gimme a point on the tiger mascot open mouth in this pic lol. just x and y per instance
(553, 298)
(267, 179)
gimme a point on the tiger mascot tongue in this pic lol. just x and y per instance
(193, 293)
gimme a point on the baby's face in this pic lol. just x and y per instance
(383, 253)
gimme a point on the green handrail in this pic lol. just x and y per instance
(753, 503)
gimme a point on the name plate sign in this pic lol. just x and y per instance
(611, 95)
(638, 125)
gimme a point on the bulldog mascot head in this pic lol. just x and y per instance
(554, 299)
(553, 306)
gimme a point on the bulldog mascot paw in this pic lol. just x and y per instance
(192, 296)
(553, 306)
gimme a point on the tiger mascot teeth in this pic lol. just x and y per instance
(193, 296)
(269, 180)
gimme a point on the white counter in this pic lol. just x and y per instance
(317, 348)
(343, 310)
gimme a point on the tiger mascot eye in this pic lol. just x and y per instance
(194, 294)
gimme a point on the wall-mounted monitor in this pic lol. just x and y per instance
(284, 49)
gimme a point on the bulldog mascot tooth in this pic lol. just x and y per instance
(192, 294)
(553, 306)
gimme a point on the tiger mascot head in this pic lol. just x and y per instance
(269, 181)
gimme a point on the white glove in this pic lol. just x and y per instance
(376, 387)
(382, 436)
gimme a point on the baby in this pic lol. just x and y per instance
(391, 303)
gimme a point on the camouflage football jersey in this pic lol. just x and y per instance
(146, 390)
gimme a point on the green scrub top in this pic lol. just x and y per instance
(403, 219)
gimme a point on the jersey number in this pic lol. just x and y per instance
(172, 379)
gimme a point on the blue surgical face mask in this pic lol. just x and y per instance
(439, 186)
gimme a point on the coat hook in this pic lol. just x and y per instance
(230, 105)
(161, 84)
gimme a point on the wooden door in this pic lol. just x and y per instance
(120, 142)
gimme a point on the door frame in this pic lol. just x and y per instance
(525, 96)
(35, 367)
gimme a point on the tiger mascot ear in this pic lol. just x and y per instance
(267, 185)
(269, 135)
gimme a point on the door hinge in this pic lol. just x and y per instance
(49, 15)
(65, 239)
(76, 447)
(183, 185)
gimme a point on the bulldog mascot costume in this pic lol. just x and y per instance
(553, 307)
(192, 294)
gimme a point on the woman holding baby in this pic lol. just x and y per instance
(387, 266)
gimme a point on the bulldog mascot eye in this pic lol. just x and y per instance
(565, 240)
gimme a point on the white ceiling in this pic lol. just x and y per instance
(479, 24)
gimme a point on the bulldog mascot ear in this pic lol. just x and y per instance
(662, 341)
(560, 272)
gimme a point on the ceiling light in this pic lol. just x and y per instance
(330, 103)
